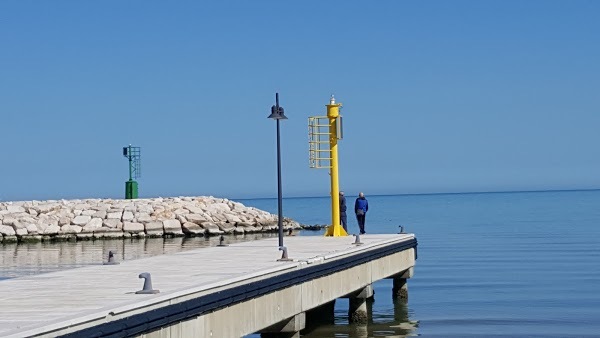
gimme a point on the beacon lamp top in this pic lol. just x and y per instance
(333, 103)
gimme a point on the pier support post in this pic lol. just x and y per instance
(400, 311)
(322, 315)
(400, 288)
(358, 311)
(289, 328)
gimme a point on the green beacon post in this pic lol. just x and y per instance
(133, 154)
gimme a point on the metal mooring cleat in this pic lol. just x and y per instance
(402, 229)
(147, 289)
(222, 241)
(357, 240)
(284, 255)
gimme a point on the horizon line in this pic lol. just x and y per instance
(432, 193)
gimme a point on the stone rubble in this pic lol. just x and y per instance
(114, 218)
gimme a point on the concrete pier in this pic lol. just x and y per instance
(211, 292)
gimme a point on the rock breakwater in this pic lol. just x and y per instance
(115, 218)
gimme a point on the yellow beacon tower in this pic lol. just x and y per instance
(323, 134)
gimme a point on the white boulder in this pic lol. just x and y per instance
(7, 230)
(172, 227)
(81, 220)
(133, 227)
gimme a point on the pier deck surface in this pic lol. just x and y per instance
(36, 303)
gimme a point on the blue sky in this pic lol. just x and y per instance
(439, 96)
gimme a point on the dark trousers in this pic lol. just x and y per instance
(361, 223)
(344, 221)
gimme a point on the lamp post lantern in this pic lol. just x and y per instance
(277, 114)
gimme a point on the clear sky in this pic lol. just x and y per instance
(439, 96)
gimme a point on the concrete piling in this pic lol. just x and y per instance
(324, 314)
(400, 287)
(289, 328)
(358, 310)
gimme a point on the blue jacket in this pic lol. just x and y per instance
(361, 203)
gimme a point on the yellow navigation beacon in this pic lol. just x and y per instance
(323, 135)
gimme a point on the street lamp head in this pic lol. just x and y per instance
(277, 113)
(276, 110)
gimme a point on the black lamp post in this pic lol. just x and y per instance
(277, 114)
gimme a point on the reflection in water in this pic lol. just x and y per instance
(25, 259)
(380, 324)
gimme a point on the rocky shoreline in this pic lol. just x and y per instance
(116, 218)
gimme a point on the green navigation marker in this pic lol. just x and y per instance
(133, 154)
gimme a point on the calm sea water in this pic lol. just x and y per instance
(510, 264)
(514, 264)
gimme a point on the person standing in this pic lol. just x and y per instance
(343, 217)
(361, 206)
